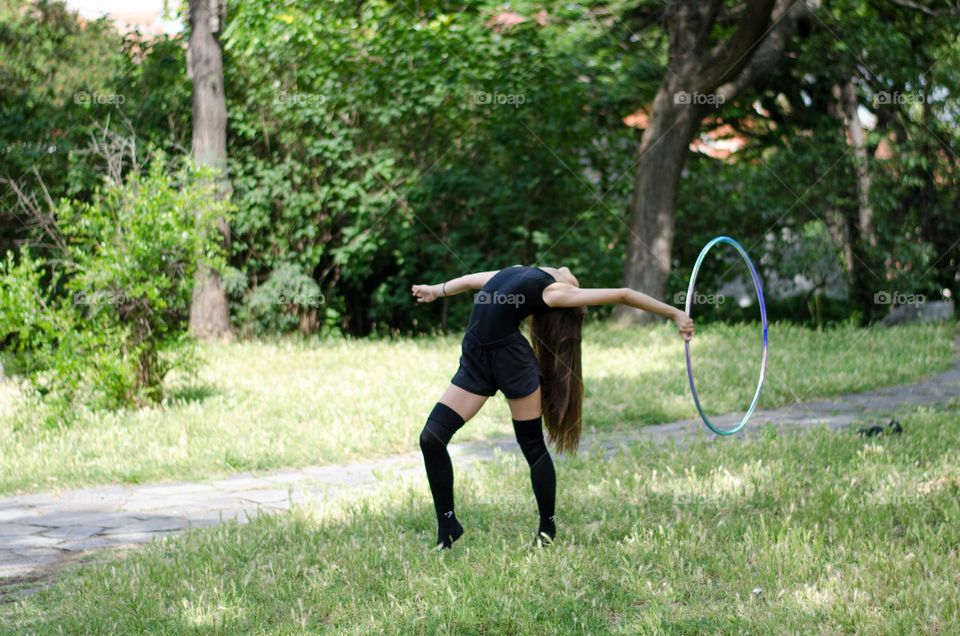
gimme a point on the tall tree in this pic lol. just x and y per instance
(703, 71)
(860, 229)
(209, 312)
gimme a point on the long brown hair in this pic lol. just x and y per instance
(555, 337)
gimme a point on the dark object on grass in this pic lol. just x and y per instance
(894, 429)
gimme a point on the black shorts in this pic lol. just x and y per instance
(507, 364)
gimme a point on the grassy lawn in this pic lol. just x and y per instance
(261, 406)
(814, 532)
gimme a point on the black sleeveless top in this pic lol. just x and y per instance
(509, 296)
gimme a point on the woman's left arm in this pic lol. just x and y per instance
(564, 295)
(429, 293)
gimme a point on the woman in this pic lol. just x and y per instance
(496, 356)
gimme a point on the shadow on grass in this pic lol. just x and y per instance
(192, 393)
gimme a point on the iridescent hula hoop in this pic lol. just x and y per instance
(763, 318)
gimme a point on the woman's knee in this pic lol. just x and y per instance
(429, 441)
(529, 435)
(440, 427)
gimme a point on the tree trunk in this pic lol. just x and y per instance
(696, 68)
(861, 226)
(858, 140)
(661, 155)
(840, 235)
(209, 312)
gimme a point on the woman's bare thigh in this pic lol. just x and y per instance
(465, 403)
(526, 407)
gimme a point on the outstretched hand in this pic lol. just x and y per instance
(425, 293)
(684, 325)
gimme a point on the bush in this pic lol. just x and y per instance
(101, 317)
(289, 300)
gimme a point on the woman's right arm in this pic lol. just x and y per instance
(428, 293)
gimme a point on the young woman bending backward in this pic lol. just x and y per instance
(542, 383)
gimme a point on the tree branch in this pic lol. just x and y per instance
(47, 222)
(934, 13)
(708, 16)
(768, 53)
(726, 59)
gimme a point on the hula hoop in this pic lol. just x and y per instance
(763, 318)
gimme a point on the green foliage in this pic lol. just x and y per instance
(797, 170)
(103, 319)
(438, 161)
(289, 300)
(373, 145)
(58, 78)
(66, 82)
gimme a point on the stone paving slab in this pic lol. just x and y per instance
(40, 532)
(157, 524)
(74, 533)
(13, 530)
(88, 543)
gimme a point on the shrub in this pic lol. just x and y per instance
(289, 300)
(100, 316)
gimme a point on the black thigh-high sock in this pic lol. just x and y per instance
(542, 474)
(440, 427)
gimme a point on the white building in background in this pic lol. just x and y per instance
(150, 17)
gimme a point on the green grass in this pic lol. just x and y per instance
(259, 406)
(835, 532)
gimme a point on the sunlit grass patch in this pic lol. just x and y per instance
(265, 405)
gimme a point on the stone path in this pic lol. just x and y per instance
(41, 532)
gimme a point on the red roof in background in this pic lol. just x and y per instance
(719, 142)
(506, 19)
